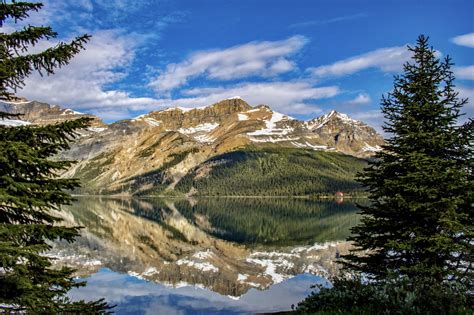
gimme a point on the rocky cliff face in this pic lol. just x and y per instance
(43, 113)
(159, 148)
(345, 134)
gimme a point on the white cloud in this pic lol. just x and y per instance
(287, 97)
(386, 59)
(464, 40)
(263, 58)
(468, 109)
(82, 83)
(360, 99)
(467, 92)
(466, 73)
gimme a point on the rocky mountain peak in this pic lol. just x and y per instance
(182, 117)
(42, 113)
(182, 138)
(345, 134)
(263, 107)
(333, 117)
(179, 139)
(230, 106)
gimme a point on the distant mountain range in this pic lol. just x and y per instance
(152, 153)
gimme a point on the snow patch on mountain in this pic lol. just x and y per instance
(242, 117)
(198, 263)
(369, 148)
(207, 127)
(200, 132)
(273, 140)
(271, 128)
(276, 264)
(309, 145)
(204, 139)
(96, 129)
(152, 122)
(203, 266)
(241, 277)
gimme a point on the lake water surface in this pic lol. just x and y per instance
(205, 256)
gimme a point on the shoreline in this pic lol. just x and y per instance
(323, 197)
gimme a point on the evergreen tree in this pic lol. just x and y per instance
(420, 221)
(414, 245)
(29, 185)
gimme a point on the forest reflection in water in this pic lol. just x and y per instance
(228, 247)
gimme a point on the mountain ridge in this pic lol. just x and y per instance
(172, 142)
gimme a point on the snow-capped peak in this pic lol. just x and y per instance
(319, 122)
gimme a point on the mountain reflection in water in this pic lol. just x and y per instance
(208, 255)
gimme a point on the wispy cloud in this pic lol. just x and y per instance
(467, 92)
(468, 109)
(288, 97)
(466, 73)
(331, 20)
(83, 83)
(87, 82)
(464, 40)
(360, 99)
(263, 58)
(386, 59)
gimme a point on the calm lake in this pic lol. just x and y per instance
(204, 256)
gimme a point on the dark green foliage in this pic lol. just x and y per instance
(29, 190)
(396, 296)
(275, 172)
(29, 186)
(420, 222)
(414, 246)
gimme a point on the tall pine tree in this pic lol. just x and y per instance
(420, 221)
(414, 245)
(29, 185)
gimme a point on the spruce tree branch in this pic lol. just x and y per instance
(18, 11)
(13, 71)
(30, 35)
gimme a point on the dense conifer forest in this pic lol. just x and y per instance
(275, 172)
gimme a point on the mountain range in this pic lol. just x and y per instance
(187, 151)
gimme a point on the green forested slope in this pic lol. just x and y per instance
(274, 172)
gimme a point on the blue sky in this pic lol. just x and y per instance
(302, 58)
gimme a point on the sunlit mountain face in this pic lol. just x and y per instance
(212, 150)
(229, 249)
